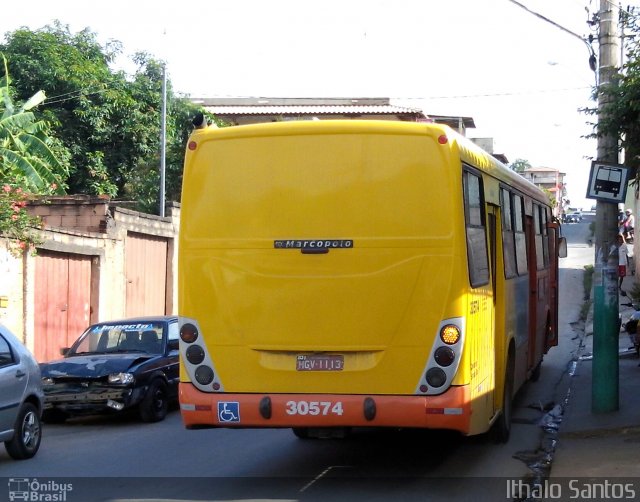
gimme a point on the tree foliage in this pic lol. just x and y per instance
(107, 123)
(619, 115)
(27, 160)
(519, 165)
(28, 165)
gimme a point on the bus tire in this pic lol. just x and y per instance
(502, 426)
(535, 374)
(301, 432)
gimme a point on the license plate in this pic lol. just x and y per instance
(315, 362)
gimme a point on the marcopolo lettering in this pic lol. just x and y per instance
(313, 244)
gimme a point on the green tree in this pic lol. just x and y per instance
(28, 165)
(26, 159)
(620, 113)
(519, 165)
(109, 123)
(74, 71)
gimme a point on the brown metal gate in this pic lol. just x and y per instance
(146, 275)
(62, 301)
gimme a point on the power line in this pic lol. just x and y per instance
(592, 53)
(419, 98)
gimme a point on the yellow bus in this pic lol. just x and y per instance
(339, 274)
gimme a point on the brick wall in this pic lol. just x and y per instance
(80, 213)
(88, 226)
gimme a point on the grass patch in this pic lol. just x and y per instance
(587, 285)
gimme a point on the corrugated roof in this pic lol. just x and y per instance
(312, 110)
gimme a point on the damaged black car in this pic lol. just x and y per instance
(129, 364)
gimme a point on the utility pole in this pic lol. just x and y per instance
(163, 139)
(605, 383)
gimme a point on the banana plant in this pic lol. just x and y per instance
(25, 157)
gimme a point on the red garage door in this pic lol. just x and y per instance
(62, 301)
(146, 274)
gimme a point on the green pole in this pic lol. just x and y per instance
(605, 383)
(605, 374)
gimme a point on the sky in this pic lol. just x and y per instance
(522, 79)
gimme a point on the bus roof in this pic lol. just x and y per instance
(468, 151)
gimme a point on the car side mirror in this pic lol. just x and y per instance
(64, 351)
(173, 344)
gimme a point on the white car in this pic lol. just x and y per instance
(21, 398)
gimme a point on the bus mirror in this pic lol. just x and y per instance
(562, 247)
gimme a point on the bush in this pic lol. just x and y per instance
(15, 222)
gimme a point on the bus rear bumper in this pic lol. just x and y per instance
(451, 410)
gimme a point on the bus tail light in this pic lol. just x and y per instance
(450, 334)
(444, 356)
(188, 333)
(436, 377)
(195, 354)
(195, 358)
(444, 359)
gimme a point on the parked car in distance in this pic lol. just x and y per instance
(575, 217)
(115, 366)
(21, 398)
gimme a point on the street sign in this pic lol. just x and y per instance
(608, 182)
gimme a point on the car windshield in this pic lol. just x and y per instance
(114, 337)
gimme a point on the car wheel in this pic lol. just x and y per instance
(155, 404)
(28, 433)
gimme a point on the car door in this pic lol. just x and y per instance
(13, 380)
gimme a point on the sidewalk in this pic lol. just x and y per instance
(601, 444)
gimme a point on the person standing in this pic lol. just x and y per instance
(622, 259)
(629, 225)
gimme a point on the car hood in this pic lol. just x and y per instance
(92, 366)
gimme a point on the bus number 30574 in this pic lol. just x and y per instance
(314, 408)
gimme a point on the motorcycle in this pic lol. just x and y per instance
(631, 327)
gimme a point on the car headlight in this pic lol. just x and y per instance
(121, 378)
(47, 381)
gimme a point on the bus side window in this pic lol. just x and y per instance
(475, 230)
(521, 240)
(508, 240)
(538, 228)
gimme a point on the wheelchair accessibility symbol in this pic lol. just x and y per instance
(228, 411)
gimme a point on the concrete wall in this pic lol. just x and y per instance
(90, 226)
(11, 288)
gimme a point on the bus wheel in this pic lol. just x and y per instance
(301, 432)
(321, 432)
(502, 426)
(535, 374)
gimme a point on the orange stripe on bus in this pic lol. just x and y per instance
(322, 410)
